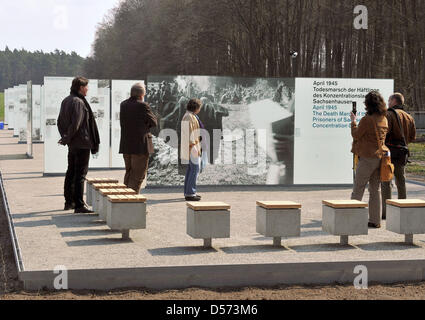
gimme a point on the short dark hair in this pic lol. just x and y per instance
(399, 98)
(77, 83)
(375, 103)
(193, 105)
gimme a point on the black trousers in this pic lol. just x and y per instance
(78, 166)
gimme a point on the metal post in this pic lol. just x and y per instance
(277, 241)
(344, 240)
(408, 238)
(126, 234)
(208, 243)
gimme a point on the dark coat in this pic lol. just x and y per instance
(136, 119)
(76, 124)
(394, 136)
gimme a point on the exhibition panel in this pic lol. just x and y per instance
(120, 91)
(20, 111)
(28, 133)
(36, 113)
(322, 126)
(55, 90)
(248, 137)
(6, 109)
(42, 114)
(11, 94)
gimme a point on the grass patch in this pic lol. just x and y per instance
(1, 106)
(416, 169)
(417, 151)
(417, 159)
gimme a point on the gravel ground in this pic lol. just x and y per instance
(11, 287)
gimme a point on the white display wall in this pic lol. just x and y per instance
(28, 134)
(21, 109)
(322, 126)
(36, 113)
(11, 107)
(55, 90)
(6, 106)
(42, 114)
(120, 92)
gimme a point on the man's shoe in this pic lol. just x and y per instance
(69, 206)
(194, 198)
(83, 210)
(373, 225)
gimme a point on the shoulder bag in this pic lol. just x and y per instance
(387, 168)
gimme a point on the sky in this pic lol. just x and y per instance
(67, 25)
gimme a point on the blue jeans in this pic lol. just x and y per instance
(190, 179)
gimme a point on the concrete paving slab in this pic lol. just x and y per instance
(49, 237)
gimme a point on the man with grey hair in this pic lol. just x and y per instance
(136, 119)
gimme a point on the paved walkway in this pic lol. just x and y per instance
(49, 237)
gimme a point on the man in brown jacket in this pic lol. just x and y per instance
(136, 119)
(396, 138)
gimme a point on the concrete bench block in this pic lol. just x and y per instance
(103, 202)
(207, 221)
(345, 219)
(96, 196)
(89, 196)
(89, 188)
(277, 221)
(126, 212)
(406, 217)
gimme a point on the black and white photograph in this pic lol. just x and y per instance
(256, 120)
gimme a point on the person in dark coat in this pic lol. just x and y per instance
(78, 130)
(136, 119)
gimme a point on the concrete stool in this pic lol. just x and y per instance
(406, 217)
(208, 220)
(345, 218)
(96, 195)
(278, 219)
(125, 213)
(90, 182)
(103, 202)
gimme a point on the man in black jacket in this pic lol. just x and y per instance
(79, 132)
(136, 119)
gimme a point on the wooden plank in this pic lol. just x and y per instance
(101, 180)
(119, 185)
(208, 206)
(127, 191)
(119, 191)
(98, 186)
(127, 198)
(343, 204)
(107, 191)
(113, 198)
(407, 203)
(279, 205)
